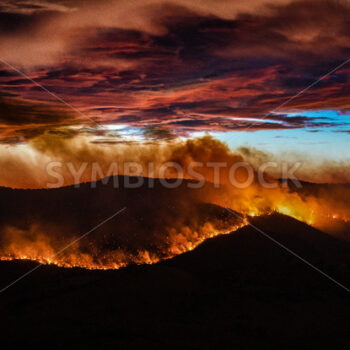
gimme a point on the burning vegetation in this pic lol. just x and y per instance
(159, 221)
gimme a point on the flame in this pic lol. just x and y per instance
(38, 243)
(42, 251)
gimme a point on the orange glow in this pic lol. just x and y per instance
(42, 250)
(174, 235)
(43, 253)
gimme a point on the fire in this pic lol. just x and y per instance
(175, 241)
(167, 222)
(253, 212)
(43, 252)
(177, 236)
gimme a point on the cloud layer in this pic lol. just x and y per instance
(182, 66)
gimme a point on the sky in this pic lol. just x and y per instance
(121, 70)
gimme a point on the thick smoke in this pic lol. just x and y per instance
(159, 222)
(28, 166)
(156, 224)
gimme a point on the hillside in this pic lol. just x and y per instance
(233, 290)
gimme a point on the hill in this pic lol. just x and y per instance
(157, 222)
(238, 290)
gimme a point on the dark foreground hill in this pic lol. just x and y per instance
(234, 291)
